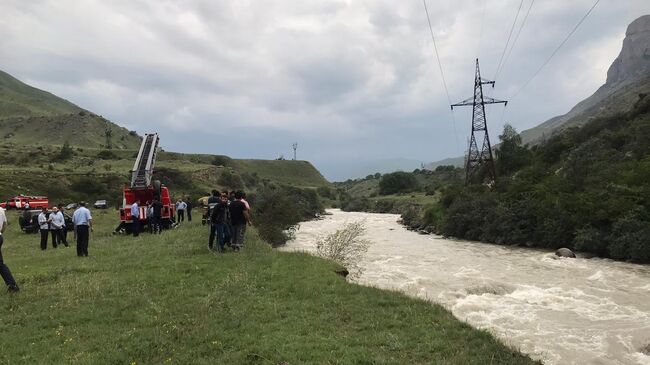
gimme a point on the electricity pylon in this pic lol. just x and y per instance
(295, 147)
(475, 157)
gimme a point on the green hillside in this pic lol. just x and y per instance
(91, 173)
(34, 126)
(29, 116)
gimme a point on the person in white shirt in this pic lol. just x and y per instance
(44, 227)
(180, 209)
(4, 270)
(57, 222)
(135, 218)
(83, 225)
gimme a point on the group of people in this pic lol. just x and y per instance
(229, 214)
(52, 223)
(154, 215)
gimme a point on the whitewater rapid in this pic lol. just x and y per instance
(560, 311)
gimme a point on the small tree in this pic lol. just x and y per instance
(65, 153)
(345, 246)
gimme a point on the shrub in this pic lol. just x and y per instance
(107, 155)
(345, 246)
(397, 182)
(230, 180)
(277, 211)
(221, 161)
(65, 153)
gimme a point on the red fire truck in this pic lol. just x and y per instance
(24, 201)
(144, 189)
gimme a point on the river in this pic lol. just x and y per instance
(558, 310)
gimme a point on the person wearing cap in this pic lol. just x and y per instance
(9, 280)
(44, 228)
(83, 225)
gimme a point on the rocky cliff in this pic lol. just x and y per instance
(627, 77)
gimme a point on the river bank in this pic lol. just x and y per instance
(168, 300)
(561, 311)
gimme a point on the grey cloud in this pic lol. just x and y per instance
(343, 78)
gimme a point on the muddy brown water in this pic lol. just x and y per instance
(558, 310)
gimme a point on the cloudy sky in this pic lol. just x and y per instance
(346, 79)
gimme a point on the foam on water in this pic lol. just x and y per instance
(558, 310)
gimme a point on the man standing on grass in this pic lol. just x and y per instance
(180, 209)
(213, 200)
(83, 225)
(156, 208)
(44, 228)
(57, 222)
(135, 218)
(188, 208)
(219, 219)
(239, 218)
(64, 229)
(4, 270)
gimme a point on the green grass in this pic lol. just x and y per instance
(166, 299)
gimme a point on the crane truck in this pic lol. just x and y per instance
(144, 189)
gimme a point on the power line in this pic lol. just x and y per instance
(556, 49)
(442, 74)
(518, 34)
(508, 41)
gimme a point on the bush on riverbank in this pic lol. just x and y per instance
(278, 209)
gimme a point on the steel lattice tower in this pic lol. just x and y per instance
(475, 157)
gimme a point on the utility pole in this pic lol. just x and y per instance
(295, 147)
(477, 158)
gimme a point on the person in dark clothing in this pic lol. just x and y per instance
(9, 280)
(44, 227)
(82, 221)
(239, 218)
(229, 232)
(213, 200)
(220, 218)
(188, 208)
(156, 219)
(64, 229)
(135, 218)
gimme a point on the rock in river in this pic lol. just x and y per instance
(565, 252)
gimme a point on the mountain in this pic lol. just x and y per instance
(34, 124)
(627, 78)
(35, 117)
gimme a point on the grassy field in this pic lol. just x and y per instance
(168, 300)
